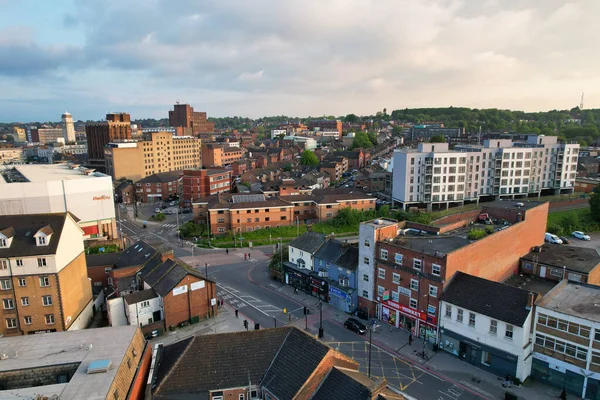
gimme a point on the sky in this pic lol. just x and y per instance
(255, 58)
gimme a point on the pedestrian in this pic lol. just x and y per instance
(236, 313)
(245, 257)
(226, 251)
(296, 289)
(563, 395)
(507, 382)
(410, 339)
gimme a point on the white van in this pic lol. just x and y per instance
(551, 238)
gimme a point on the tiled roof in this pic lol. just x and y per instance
(493, 299)
(330, 251)
(310, 242)
(137, 254)
(342, 384)
(166, 276)
(102, 259)
(24, 227)
(267, 203)
(349, 258)
(577, 259)
(142, 295)
(162, 177)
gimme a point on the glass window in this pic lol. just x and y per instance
(380, 290)
(493, 326)
(413, 303)
(433, 291)
(384, 254)
(459, 315)
(417, 264)
(381, 273)
(436, 269)
(509, 332)
(395, 296)
(472, 319)
(365, 277)
(396, 278)
(398, 258)
(486, 358)
(414, 284)
(448, 311)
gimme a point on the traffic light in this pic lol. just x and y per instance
(246, 324)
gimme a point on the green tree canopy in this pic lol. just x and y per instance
(309, 158)
(437, 139)
(361, 139)
(595, 203)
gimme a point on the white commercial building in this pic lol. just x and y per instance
(54, 188)
(143, 307)
(434, 174)
(278, 132)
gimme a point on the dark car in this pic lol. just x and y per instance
(355, 325)
(164, 206)
(186, 211)
(564, 239)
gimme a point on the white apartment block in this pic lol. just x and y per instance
(434, 174)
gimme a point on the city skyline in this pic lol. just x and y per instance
(292, 58)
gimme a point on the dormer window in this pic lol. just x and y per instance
(3, 243)
(41, 240)
(43, 236)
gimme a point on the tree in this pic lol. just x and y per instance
(309, 158)
(351, 118)
(361, 139)
(276, 261)
(10, 138)
(397, 129)
(437, 139)
(595, 203)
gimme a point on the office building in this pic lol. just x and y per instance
(435, 175)
(116, 127)
(43, 188)
(183, 115)
(68, 128)
(164, 186)
(47, 135)
(157, 152)
(201, 183)
(327, 125)
(44, 285)
(220, 155)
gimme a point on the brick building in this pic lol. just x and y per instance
(411, 271)
(10, 154)
(99, 134)
(356, 158)
(555, 263)
(327, 125)
(219, 155)
(183, 115)
(583, 185)
(99, 266)
(202, 183)
(44, 284)
(159, 187)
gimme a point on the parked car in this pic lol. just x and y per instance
(564, 240)
(355, 325)
(580, 235)
(157, 210)
(551, 238)
(186, 211)
(168, 212)
(153, 334)
(164, 206)
(173, 203)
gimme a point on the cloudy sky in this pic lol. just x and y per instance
(309, 57)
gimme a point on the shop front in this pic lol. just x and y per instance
(411, 320)
(306, 280)
(341, 299)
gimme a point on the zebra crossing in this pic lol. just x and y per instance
(238, 300)
(166, 228)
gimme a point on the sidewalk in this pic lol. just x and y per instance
(440, 363)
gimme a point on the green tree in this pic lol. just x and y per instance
(397, 130)
(309, 158)
(361, 139)
(10, 138)
(437, 139)
(595, 203)
(278, 258)
(351, 118)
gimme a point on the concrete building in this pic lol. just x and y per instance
(117, 127)
(68, 128)
(92, 364)
(183, 115)
(555, 263)
(159, 187)
(157, 152)
(19, 134)
(34, 189)
(275, 133)
(488, 324)
(433, 175)
(327, 125)
(44, 285)
(426, 132)
(307, 143)
(10, 154)
(567, 339)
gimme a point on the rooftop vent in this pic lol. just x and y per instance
(98, 366)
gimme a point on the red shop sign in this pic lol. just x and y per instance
(404, 309)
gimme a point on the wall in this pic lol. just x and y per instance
(466, 216)
(138, 386)
(70, 246)
(116, 312)
(98, 274)
(84, 318)
(40, 376)
(75, 289)
(128, 367)
(181, 307)
(138, 314)
(126, 162)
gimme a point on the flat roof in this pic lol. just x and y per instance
(531, 282)
(49, 172)
(578, 259)
(32, 351)
(512, 204)
(380, 222)
(576, 299)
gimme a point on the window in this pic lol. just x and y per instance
(436, 269)
(384, 254)
(116, 394)
(472, 319)
(24, 301)
(396, 278)
(380, 290)
(509, 332)
(220, 220)
(11, 323)
(431, 310)
(49, 319)
(145, 303)
(395, 296)
(41, 262)
(563, 325)
(366, 260)
(241, 396)
(414, 284)
(8, 304)
(5, 284)
(486, 358)
(47, 300)
(413, 303)
(433, 291)
(459, 315)
(367, 244)
(27, 320)
(3, 264)
(381, 273)
(44, 281)
(398, 258)
(448, 311)
(365, 294)
(19, 263)
(493, 326)
(2, 242)
(561, 347)
(417, 264)
(365, 277)
(41, 240)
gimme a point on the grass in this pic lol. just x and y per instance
(111, 248)
(565, 222)
(559, 216)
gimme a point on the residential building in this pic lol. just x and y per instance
(434, 175)
(306, 143)
(143, 308)
(302, 250)
(19, 134)
(159, 187)
(94, 364)
(201, 183)
(327, 125)
(588, 167)
(336, 262)
(47, 135)
(36, 188)
(44, 285)
(369, 234)
(117, 127)
(10, 154)
(555, 263)
(419, 133)
(275, 133)
(99, 266)
(414, 267)
(567, 339)
(183, 115)
(488, 324)
(68, 128)
(356, 158)
(157, 152)
(125, 192)
(219, 155)
(334, 169)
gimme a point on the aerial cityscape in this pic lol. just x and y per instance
(299, 200)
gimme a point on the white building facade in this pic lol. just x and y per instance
(143, 308)
(433, 174)
(68, 128)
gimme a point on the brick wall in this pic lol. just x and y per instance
(41, 376)
(470, 216)
(75, 289)
(193, 303)
(97, 274)
(138, 386)
(128, 368)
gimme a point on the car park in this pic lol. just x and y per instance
(168, 212)
(355, 325)
(173, 203)
(580, 235)
(551, 238)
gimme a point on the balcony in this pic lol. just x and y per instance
(429, 161)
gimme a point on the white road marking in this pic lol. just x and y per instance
(251, 305)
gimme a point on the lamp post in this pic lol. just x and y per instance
(206, 270)
(370, 347)
(207, 226)
(297, 226)
(425, 327)
(320, 319)
(281, 254)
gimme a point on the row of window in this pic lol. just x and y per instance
(560, 346)
(41, 262)
(9, 304)
(6, 284)
(11, 323)
(398, 259)
(565, 326)
(493, 329)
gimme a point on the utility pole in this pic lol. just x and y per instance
(177, 217)
(207, 226)
(281, 254)
(425, 327)
(320, 319)
(370, 347)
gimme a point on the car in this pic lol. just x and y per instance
(551, 238)
(186, 211)
(157, 210)
(153, 334)
(168, 212)
(355, 325)
(173, 203)
(564, 239)
(580, 235)
(164, 206)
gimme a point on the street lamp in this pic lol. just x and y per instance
(320, 319)
(370, 347)
(425, 327)
(281, 254)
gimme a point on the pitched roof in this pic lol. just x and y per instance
(137, 254)
(8, 232)
(161, 177)
(330, 251)
(142, 295)
(310, 241)
(493, 299)
(166, 276)
(102, 259)
(24, 227)
(46, 230)
(349, 258)
(343, 383)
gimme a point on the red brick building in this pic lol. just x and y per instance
(183, 115)
(159, 187)
(202, 183)
(412, 271)
(99, 134)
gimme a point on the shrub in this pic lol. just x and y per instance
(158, 217)
(476, 234)
(489, 230)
